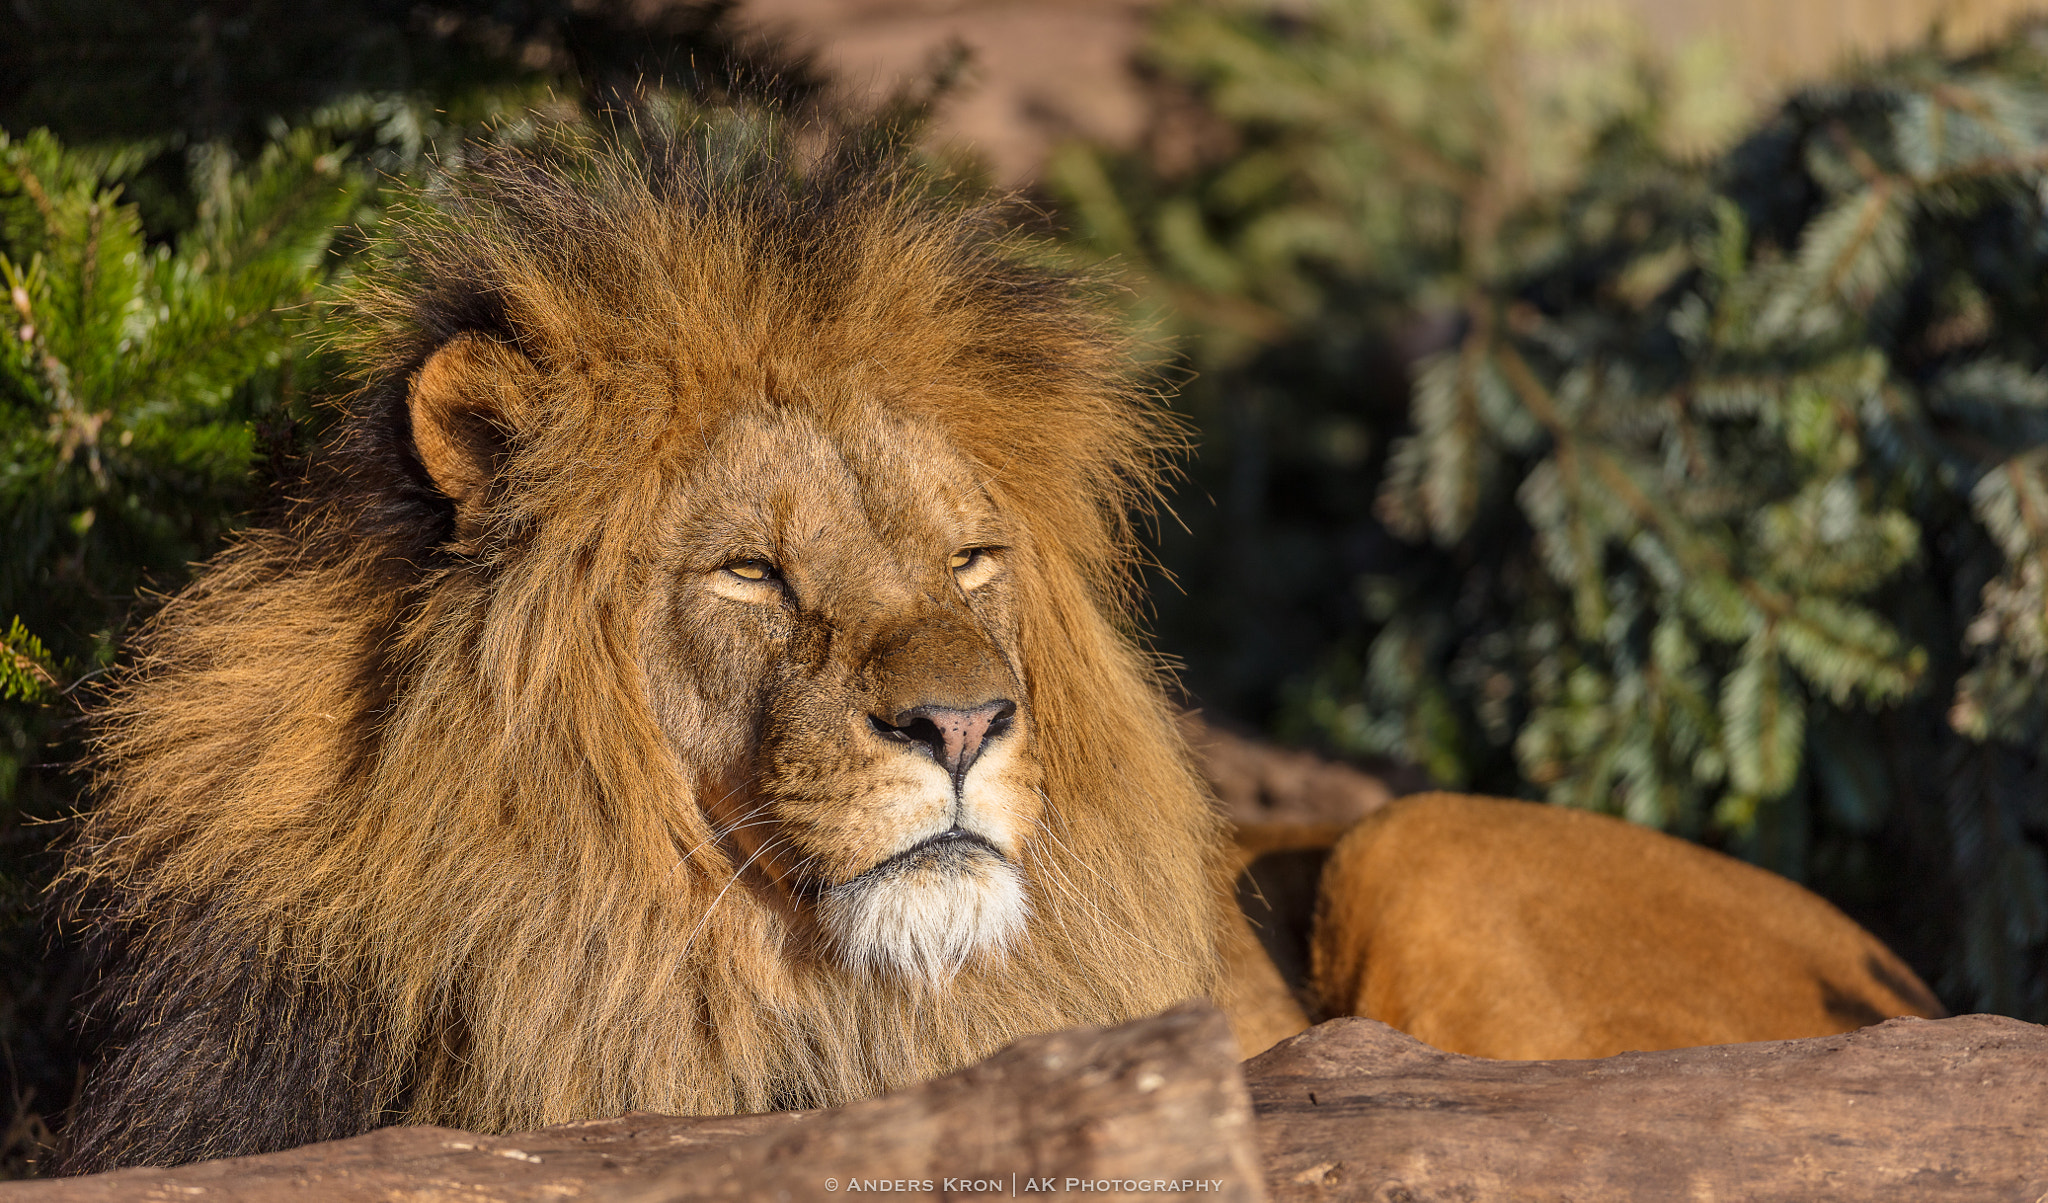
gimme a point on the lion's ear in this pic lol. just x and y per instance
(463, 402)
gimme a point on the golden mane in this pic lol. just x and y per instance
(388, 833)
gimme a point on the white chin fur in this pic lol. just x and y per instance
(925, 922)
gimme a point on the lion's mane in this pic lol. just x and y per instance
(387, 833)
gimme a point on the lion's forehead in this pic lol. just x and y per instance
(792, 483)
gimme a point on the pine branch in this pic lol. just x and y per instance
(26, 669)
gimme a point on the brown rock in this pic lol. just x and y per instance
(1263, 785)
(1907, 1110)
(1160, 1099)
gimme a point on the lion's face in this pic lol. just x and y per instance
(855, 589)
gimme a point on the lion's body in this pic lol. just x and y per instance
(1520, 931)
(491, 791)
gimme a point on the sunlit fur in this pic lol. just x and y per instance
(412, 812)
(1509, 929)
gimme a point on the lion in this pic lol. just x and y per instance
(698, 677)
(1521, 931)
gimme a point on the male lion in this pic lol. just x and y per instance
(695, 679)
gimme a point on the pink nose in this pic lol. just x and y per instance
(955, 738)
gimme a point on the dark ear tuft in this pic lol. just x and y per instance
(464, 400)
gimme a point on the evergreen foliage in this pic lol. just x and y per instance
(130, 373)
(25, 670)
(1721, 494)
(140, 384)
(1329, 184)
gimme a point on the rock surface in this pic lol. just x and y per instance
(1906, 1110)
(1265, 786)
(1352, 1109)
(1156, 1100)
(1909, 1109)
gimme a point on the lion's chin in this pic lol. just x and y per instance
(923, 914)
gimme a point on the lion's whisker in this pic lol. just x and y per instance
(706, 917)
(752, 819)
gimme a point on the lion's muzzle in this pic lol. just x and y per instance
(939, 695)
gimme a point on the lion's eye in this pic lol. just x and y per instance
(751, 570)
(973, 567)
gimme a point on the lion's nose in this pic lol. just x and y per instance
(955, 738)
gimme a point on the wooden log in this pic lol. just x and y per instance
(587, 1160)
(1909, 1109)
(1259, 783)
(1131, 1108)
(1126, 1110)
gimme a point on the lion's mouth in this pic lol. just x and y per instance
(954, 848)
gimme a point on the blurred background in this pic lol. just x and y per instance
(1636, 405)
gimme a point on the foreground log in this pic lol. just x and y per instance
(1907, 1110)
(1157, 1101)
(586, 1160)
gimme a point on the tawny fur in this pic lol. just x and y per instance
(389, 826)
(1528, 932)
